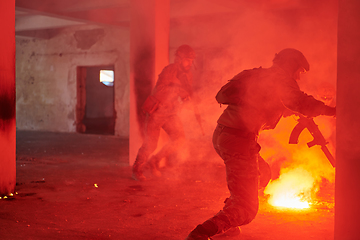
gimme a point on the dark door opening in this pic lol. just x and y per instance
(95, 110)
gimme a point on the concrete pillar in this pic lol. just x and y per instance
(7, 98)
(347, 184)
(149, 54)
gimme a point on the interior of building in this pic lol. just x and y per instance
(81, 71)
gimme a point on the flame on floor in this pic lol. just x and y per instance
(301, 169)
(292, 189)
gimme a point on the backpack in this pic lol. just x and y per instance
(232, 92)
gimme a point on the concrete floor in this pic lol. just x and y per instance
(79, 186)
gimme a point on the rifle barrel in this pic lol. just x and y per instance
(328, 155)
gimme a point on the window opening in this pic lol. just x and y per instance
(107, 77)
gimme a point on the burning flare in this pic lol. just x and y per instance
(292, 189)
(302, 168)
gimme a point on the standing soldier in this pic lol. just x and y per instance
(174, 86)
(256, 101)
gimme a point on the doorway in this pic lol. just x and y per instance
(95, 112)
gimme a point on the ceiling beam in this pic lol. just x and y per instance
(109, 12)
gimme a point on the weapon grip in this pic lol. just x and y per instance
(312, 143)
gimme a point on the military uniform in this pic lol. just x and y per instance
(174, 86)
(256, 100)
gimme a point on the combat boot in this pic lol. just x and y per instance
(197, 234)
(137, 173)
(229, 234)
(154, 166)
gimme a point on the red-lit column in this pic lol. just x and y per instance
(7, 98)
(347, 183)
(149, 53)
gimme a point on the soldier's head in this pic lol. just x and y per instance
(185, 56)
(292, 61)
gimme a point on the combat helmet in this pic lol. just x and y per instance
(185, 51)
(291, 60)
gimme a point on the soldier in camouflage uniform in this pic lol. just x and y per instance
(256, 101)
(174, 86)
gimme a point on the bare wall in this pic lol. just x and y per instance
(46, 76)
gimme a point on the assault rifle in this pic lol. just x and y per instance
(304, 122)
(198, 119)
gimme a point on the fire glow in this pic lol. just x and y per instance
(292, 189)
(302, 169)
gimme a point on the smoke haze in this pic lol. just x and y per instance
(243, 35)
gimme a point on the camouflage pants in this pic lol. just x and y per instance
(240, 155)
(172, 126)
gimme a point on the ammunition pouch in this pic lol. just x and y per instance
(150, 105)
